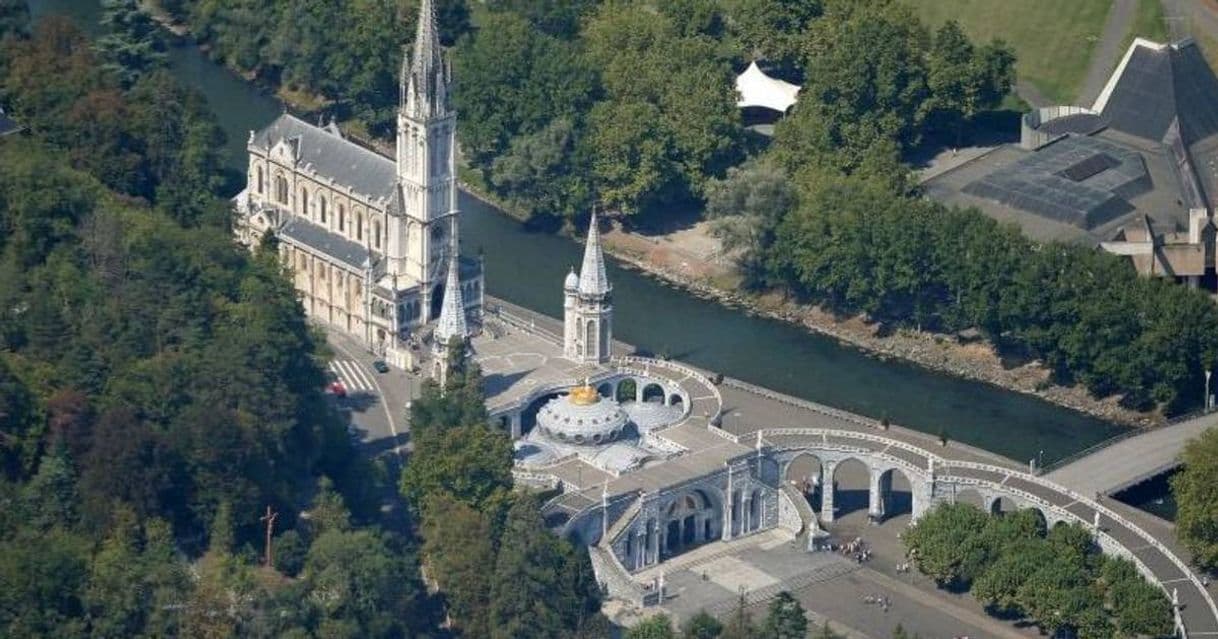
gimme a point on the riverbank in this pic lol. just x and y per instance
(707, 274)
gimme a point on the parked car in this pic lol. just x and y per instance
(380, 366)
(337, 389)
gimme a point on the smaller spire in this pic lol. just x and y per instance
(452, 312)
(592, 277)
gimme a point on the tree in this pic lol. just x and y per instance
(458, 543)
(133, 45)
(740, 625)
(946, 543)
(702, 626)
(472, 464)
(786, 619)
(361, 580)
(657, 627)
(14, 17)
(963, 80)
(772, 30)
(542, 587)
(1197, 501)
(540, 174)
(747, 206)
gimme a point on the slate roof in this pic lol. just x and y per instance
(592, 277)
(322, 240)
(1159, 84)
(328, 154)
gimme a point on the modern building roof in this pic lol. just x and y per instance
(301, 231)
(756, 89)
(328, 154)
(1157, 84)
(1081, 181)
(592, 277)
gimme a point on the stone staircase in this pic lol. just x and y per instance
(623, 522)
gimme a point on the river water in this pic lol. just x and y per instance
(527, 268)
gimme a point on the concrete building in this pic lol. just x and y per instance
(1135, 172)
(371, 240)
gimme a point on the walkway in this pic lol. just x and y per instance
(1107, 51)
(1132, 460)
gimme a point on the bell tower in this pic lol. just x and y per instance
(588, 305)
(423, 217)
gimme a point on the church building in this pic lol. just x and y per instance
(370, 240)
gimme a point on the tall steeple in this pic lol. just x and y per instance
(592, 278)
(588, 305)
(425, 81)
(452, 311)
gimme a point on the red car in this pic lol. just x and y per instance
(337, 389)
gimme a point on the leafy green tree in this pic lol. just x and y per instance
(747, 206)
(540, 174)
(1196, 499)
(472, 464)
(133, 45)
(946, 543)
(773, 30)
(290, 552)
(42, 581)
(1141, 609)
(363, 581)
(556, 17)
(964, 80)
(740, 625)
(542, 586)
(459, 550)
(786, 619)
(19, 424)
(657, 627)
(702, 626)
(14, 17)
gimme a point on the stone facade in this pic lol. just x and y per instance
(369, 239)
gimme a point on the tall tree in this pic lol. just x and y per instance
(14, 17)
(133, 45)
(786, 619)
(1196, 499)
(657, 627)
(459, 550)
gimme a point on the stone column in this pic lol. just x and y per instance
(727, 508)
(875, 496)
(516, 425)
(827, 486)
(655, 542)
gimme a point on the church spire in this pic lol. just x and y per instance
(452, 312)
(425, 80)
(592, 278)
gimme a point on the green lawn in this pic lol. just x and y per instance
(1053, 39)
(1147, 23)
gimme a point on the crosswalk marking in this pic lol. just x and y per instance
(352, 375)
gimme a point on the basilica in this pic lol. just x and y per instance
(372, 242)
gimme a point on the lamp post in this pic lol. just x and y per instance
(1208, 372)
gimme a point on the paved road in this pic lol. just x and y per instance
(1132, 460)
(376, 402)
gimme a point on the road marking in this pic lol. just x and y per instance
(349, 372)
(384, 405)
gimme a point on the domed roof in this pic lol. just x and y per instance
(572, 283)
(582, 417)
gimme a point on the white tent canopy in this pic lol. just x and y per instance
(757, 89)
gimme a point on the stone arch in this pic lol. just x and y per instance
(805, 471)
(342, 218)
(528, 416)
(321, 208)
(969, 496)
(1002, 505)
(851, 486)
(653, 392)
(627, 390)
(675, 399)
(755, 511)
(605, 390)
(896, 494)
(359, 226)
(304, 201)
(691, 518)
(281, 188)
(590, 337)
(437, 301)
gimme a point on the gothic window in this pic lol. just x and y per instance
(321, 207)
(376, 234)
(342, 218)
(281, 189)
(304, 201)
(359, 227)
(259, 180)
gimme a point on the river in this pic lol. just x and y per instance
(527, 268)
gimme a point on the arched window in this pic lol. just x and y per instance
(321, 208)
(304, 201)
(259, 180)
(281, 189)
(359, 227)
(342, 218)
(376, 234)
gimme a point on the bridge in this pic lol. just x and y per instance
(1114, 466)
(737, 438)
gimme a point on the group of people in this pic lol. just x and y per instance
(880, 600)
(857, 549)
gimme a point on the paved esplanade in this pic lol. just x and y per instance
(1132, 460)
(755, 420)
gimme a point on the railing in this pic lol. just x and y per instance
(622, 523)
(1129, 434)
(800, 403)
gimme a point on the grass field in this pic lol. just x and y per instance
(1052, 39)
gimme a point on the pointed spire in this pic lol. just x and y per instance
(452, 311)
(424, 81)
(592, 278)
